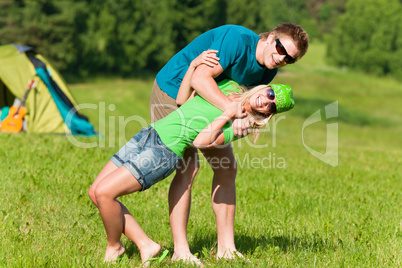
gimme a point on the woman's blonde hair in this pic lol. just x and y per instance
(260, 120)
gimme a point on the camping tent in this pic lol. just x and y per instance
(50, 105)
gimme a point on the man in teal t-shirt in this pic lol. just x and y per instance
(248, 59)
(236, 48)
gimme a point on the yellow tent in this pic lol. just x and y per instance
(50, 105)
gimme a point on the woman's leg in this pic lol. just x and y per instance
(106, 170)
(130, 225)
(118, 183)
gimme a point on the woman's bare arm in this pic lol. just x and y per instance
(212, 136)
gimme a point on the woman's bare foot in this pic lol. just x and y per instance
(112, 253)
(188, 258)
(148, 253)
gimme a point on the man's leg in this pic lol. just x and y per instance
(180, 190)
(223, 197)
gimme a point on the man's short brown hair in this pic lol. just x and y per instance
(295, 32)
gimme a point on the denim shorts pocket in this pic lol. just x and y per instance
(159, 143)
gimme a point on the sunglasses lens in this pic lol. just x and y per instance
(272, 107)
(289, 59)
(280, 49)
(271, 94)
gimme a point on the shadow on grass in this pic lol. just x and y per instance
(205, 245)
(132, 250)
(313, 243)
(249, 244)
(306, 107)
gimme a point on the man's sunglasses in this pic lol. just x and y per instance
(282, 51)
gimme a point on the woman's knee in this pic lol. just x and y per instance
(100, 195)
(91, 195)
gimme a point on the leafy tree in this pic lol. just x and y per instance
(324, 13)
(47, 25)
(126, 37)
(193, 17)
(367, 37)
(263, 15)
(129, 36)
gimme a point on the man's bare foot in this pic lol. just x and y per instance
(188, 258)
(112, 253)
(229, 255)
(148, 253)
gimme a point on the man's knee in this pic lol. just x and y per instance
(223, 165)
(187, 171)
(226, 169)
(222, 161)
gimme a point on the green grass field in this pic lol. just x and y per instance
(293, 210)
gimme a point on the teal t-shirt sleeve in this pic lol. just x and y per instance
(229, 45)
(268, 76)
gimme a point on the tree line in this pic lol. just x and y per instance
(368, 37)
(132, 37)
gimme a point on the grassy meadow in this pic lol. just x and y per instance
(293, 209)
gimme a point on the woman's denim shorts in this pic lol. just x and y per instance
(147, 158)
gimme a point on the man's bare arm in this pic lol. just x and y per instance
(208, 58)
(203, 82)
